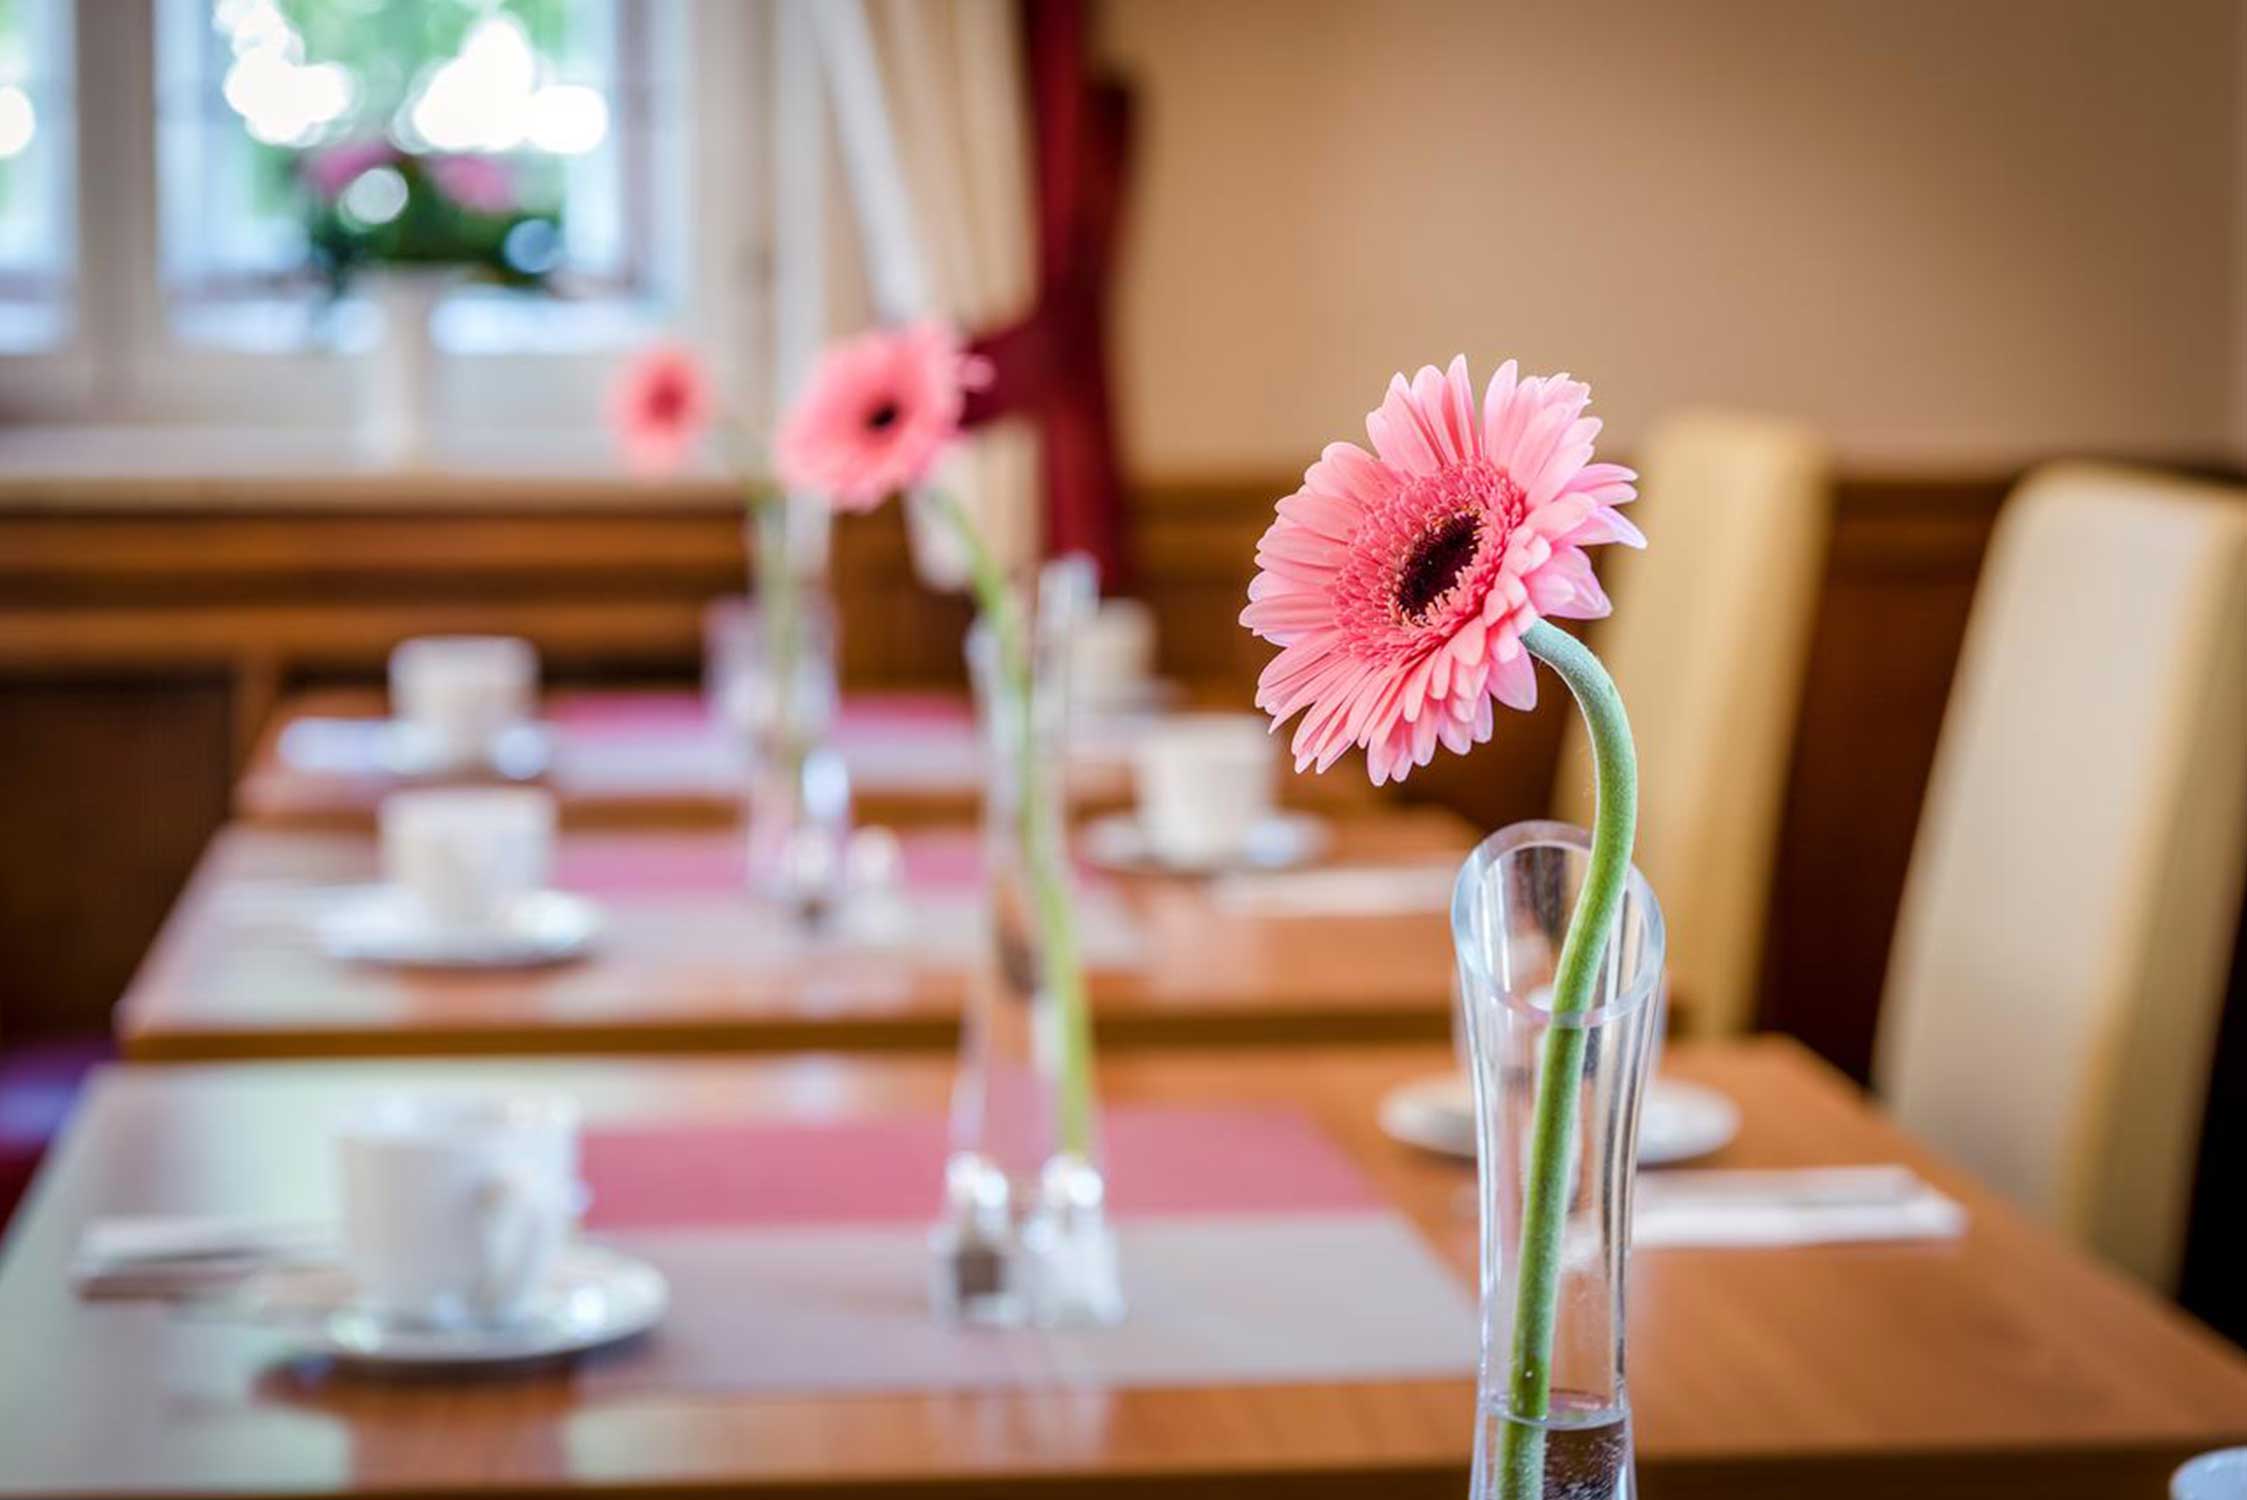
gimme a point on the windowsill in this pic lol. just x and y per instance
(471, 321)
(188, 467)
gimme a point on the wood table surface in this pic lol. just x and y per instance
(1999, 1363)
(236, 972)
(689, 776)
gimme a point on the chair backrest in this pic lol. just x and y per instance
(1708, 644)
(2063, 948)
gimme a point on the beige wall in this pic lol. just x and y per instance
(1940, 229)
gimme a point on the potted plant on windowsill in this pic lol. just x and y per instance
(409, 228)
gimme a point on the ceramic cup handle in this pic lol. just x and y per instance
(522, 1219)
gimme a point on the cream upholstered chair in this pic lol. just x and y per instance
(1708, 645)
(2063, 948)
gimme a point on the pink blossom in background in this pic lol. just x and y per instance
(479, 184)
(330, 170)
(1399, 582)
(877, 413)
(659, 407)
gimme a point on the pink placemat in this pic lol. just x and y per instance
(1160, 1162)
(608, 715)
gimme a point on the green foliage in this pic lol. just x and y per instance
(388, 45)
(430, 230)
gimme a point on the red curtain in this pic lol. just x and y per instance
(1053, 366)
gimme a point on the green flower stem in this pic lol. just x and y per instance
(1044, 846)
(1560, 1072)
(779, 617)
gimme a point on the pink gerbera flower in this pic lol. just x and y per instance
(877, 413)
(659, 407)
(1400, 581)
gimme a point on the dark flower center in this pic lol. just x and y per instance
(667, 400)
(883, 417)
(1435, 563)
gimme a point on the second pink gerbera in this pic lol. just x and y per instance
(1399, 581)
(878, 412)
(659, 406)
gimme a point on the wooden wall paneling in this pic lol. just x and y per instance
(109, 788)
(1900, 579)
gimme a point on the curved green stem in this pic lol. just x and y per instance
(1560, 1072)
(778, 613)
(1044, 845)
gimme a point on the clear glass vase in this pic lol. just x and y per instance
(1510, 912)
(1025, 1236)
(782, 699)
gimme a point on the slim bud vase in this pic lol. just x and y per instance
(1026, 1236)
(1553, 1413)
(799, 812)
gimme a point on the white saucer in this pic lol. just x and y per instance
(356, 747)
(1279, 842)
(384, 925)
(596, 1297)
(520, 752)
(1680, 1121)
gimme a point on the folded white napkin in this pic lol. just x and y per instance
(164, 1255)
(336, 747)
(1715, 1209)
(1339, 891)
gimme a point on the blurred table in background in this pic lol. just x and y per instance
(2001, 1362)
(1357, 947)
(628, 758)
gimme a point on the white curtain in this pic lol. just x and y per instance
(931, 114)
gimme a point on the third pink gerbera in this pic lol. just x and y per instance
(1400, 581)
(877, 413)
(659, 405)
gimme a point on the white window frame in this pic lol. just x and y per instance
(125, 365)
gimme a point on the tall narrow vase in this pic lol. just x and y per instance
(1026, 1236)
(799, 813)
(1580, 1079)
(398, 378)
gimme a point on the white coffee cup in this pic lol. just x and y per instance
(459, 693)
(456, 1205)
(1205, 781)
(467, 855)
(1112, 655)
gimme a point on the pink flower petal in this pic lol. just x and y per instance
(1514, 683)
(1400, 439)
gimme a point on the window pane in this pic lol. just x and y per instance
(37, 208)
(301, 141)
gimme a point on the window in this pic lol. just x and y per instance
(36, 167)
(266, 110)
(154, 262)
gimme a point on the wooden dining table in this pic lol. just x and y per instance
(1999, 1362)
(635, 757)
(641, 757)
(688, 962)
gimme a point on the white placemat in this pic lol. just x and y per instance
(1214, 1300)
